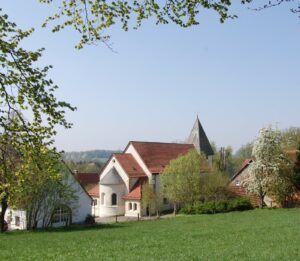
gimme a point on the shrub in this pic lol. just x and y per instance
(217, 206)
(239, 204)
(89, 220)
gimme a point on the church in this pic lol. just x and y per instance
(122, 178)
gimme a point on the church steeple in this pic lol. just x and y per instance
(199, 139)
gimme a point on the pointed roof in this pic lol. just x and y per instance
(199, 139)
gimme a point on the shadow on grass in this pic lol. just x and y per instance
(72, 228)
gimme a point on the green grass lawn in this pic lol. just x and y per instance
(256, 235)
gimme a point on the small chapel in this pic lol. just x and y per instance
(122, 178)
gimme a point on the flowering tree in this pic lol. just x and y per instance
(265, 170)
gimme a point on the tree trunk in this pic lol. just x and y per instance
(175, 209)
(4, 207)
(261, 201)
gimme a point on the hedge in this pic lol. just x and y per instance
(220, 206)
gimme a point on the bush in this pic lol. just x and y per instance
(219, 206)
(239, 204)
(89, 220)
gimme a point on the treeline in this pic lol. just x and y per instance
(85, 166)
(88, 156)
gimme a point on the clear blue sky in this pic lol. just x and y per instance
(239, 76)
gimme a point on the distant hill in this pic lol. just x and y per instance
(89, 156)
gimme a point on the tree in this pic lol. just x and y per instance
(150, 199)
(283, 185)
(290, 138)
(296, 172)
(181, 181)
(244, 152)
(29, 110)
(224, 161)
(93, 18)
(214, 186)
(42, 185)
(265, 169)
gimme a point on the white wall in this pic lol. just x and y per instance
(112, 185)
(107, 209)
(11, 216)
(132, 212)
(83, 206)
(80, 209)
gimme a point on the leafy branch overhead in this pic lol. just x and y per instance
(29, 109)
(92, 18)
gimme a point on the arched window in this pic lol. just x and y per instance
(114, 199)
(130, 206)
(62, 214)
(102, 198)
(134, 206)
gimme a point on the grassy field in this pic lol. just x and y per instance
(252, 235)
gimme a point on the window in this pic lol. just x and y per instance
(102, 198)
(134, 206)
(95, 202)
(130, 206)
(114, 199)
(61, 214)
(237, 183)
(17, 221)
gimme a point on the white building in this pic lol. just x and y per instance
(62, 214)
(123, 176)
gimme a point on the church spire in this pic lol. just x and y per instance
(199, 139)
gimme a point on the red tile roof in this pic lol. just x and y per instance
(88, 178)
(245, 165)
(157, 155)
(94, 190)
(130, 165)
(90, 181)
(136, 191)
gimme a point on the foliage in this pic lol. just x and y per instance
(290, 138)
(266, 166)
(85, 166)
(29, 110)
(214, 186)
(283, 187)
(151, 200)
(217, 206)
(223, 160)
(93, 18)
(43, 184)
(296, 173)
(244, 152)
(90, 220)
(181, 181)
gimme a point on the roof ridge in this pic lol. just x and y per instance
(160, 142)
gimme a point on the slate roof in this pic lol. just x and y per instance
(130, 165)
(199, 139)
(157, 155)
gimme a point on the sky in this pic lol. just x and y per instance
(238, 77)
